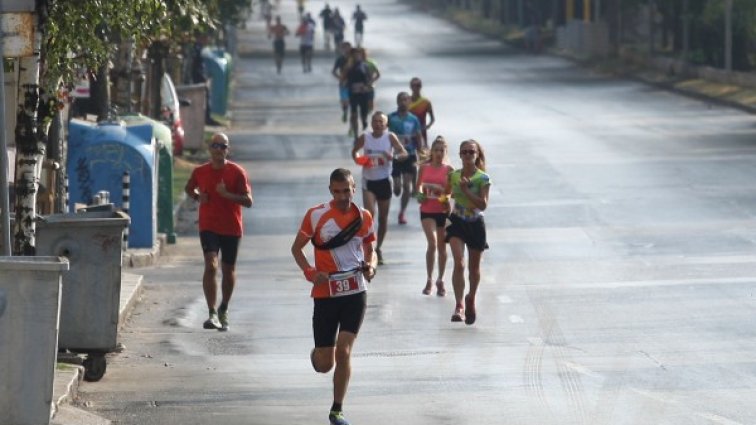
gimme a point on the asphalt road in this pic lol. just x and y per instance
(619, 287)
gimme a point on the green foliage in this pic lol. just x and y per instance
(82, 35)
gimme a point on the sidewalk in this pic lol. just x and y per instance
(68, 376)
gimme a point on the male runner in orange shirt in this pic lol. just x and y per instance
(339, 280)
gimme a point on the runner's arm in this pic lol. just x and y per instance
(432, 116)
(359, 143)
(399, 152)
(297, 250)
(372, 261)
(245, 198)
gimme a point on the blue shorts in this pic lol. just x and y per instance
(344, 93)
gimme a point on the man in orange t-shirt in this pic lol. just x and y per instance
(339, 279)
(222, 188)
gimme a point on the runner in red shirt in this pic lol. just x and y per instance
(222, 188)
(343, 236)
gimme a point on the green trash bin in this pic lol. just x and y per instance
(162, 134)
(218, 66)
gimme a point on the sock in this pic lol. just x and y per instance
(336, 407)
(223, 307)
(212, 311)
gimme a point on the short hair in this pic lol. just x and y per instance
(341, 175)
(219, 137)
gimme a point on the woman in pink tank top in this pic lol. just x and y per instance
(434, 208)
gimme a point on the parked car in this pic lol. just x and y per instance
(170, 105)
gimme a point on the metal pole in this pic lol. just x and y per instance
(728, 35)
(4, 206)
(686, 31)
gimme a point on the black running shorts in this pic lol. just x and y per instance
(227, 245)
(380, 188)
(472, 233)
(338, 314)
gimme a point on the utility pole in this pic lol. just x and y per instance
(728, 35)
(5, 242)
(686, 30)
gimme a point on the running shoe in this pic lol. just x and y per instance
(428, 287)
(223, 319)
(402, 220)
(459, 314)
(212, 322)
(440, 290)
(470, 307)
(337, 418)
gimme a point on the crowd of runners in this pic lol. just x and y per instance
(347, 240)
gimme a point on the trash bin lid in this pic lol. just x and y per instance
(86, 219)
(20, 263)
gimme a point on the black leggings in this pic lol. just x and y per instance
(359, 100)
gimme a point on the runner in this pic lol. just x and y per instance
(434, 209)
(378, 148)
(407, 127)
(327, 16)
(469, 187)
(375, 74)
(358, 77)
(266, 12)
(339, 69)
(221, 187)
(300, 8)
(420, 106)
(306, 34)
(359, 17)
(344, 260)
(279, 32)
(337, 25)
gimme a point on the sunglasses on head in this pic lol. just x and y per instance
(221, 146)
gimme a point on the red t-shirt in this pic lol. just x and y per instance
(220, 215)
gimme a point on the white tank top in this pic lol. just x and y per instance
(374, 148)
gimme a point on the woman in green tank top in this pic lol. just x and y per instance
(469, 187)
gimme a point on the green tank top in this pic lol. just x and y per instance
(463, 206)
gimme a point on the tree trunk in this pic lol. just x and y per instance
(30, 152)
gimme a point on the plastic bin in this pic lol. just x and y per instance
(218, 66)
(98, 156)
(193, 115)
(91, 295)
(30, 290)
(162, 135)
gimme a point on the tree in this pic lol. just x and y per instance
(75, 35)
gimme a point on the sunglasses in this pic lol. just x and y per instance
(221, 146)
(468, 152)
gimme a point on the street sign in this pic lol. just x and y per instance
(17, 34)
(7, 6)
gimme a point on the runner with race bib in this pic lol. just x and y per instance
(342, 234)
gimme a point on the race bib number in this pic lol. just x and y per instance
(377, 159)
(346, 283)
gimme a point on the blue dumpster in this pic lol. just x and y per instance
(218, 67)
(99, 155)
(162, 135)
